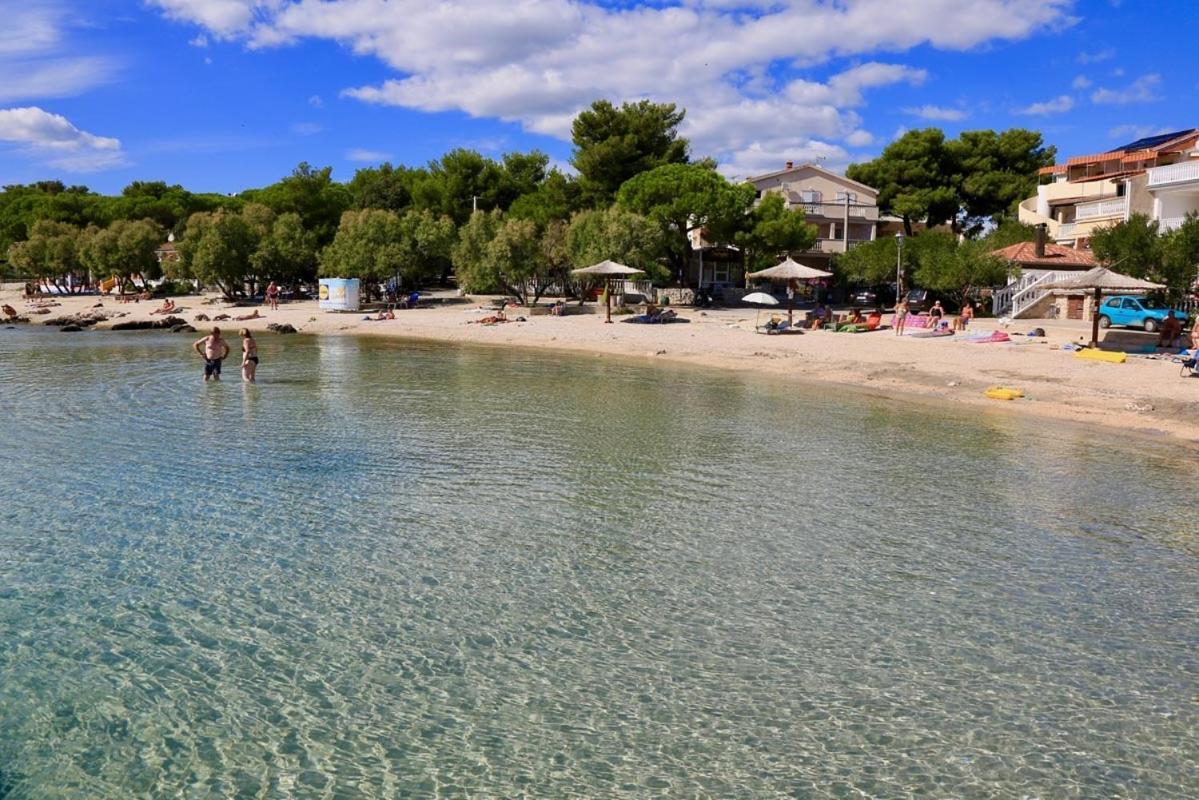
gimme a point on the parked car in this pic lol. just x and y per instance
(882, 296)
(866, 296)
(1137, 312)
(921, 300)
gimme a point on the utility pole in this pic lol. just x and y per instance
(474, 203)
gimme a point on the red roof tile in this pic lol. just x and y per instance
(1056, 256)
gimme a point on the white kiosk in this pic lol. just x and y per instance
(339, 294)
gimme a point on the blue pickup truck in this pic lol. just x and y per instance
(1138, 312)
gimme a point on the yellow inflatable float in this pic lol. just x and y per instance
(1003, 393)
(1091, 354)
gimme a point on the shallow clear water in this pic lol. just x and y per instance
(398, 569)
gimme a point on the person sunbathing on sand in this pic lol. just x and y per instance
(167, 307)
(244, 317)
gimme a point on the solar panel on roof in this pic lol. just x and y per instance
(1150, 142)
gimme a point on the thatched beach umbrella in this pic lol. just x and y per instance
(1101, 279)
(788, 272)
(607, 270)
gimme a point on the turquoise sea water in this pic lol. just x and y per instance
(410, 570)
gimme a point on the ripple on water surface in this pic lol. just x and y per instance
(398, 569)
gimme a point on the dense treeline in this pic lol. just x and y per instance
(513, 224)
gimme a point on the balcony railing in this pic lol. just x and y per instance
(1173, 173)
(837, 210)
(1114, 207)
(1169, 223)
(1067, 230)
(837, 245)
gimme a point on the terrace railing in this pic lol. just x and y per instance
(1113, 207)
(1173, 173)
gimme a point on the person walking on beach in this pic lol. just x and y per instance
(214, 350)
(901, 315)
(249, 356)
(272, 295)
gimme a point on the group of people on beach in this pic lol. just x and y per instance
(214, 350)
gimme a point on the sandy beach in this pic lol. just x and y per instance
(1143, 395)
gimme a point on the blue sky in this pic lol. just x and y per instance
(221, 95)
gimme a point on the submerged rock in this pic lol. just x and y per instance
(184, 328)
(283, 327)
(70, 328)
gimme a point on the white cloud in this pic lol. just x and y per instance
(315, 101)
(859, 138)
(1142, 90)
(938, 113)
(306, 128)
(54, 77)
(1096, 56)
(29, 30)
(1058, 105)
(52, 138)
(368, 156)
(1081, 82)
(735, 65)
(36, 59)
(199, 41)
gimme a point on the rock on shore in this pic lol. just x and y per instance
(149, 324)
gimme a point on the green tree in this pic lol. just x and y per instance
(470, 255)
(368, 246)
(517, 260)
(996, 171)
(619, 235)
(872, 262)
(51, 254)
(1132, 246)
(612, 144)
(216, 250)
(458, 181)
(287, 252)
(1180, 258)
(979, 176)
(312, 193)
(772, 231)
(956, 268)
(425, 244)
(915, 178)
(682, 198)
(385, 187)
(136, 242)
(556, 198)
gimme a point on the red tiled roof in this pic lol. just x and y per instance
(1096, 158)
(1056, 255)
(1054, 169)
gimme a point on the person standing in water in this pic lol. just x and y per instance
(272, 295)
(214, 350)
(249, 356)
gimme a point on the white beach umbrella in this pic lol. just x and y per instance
(789, 271)
(760, 299)
(607, 270)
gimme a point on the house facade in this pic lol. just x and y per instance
(844, 211)
(1036, 264)
(1157, 176)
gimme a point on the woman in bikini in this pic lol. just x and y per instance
(249, 356)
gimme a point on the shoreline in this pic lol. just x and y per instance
(1143, 397)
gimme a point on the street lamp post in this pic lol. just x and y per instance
(898, 267)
